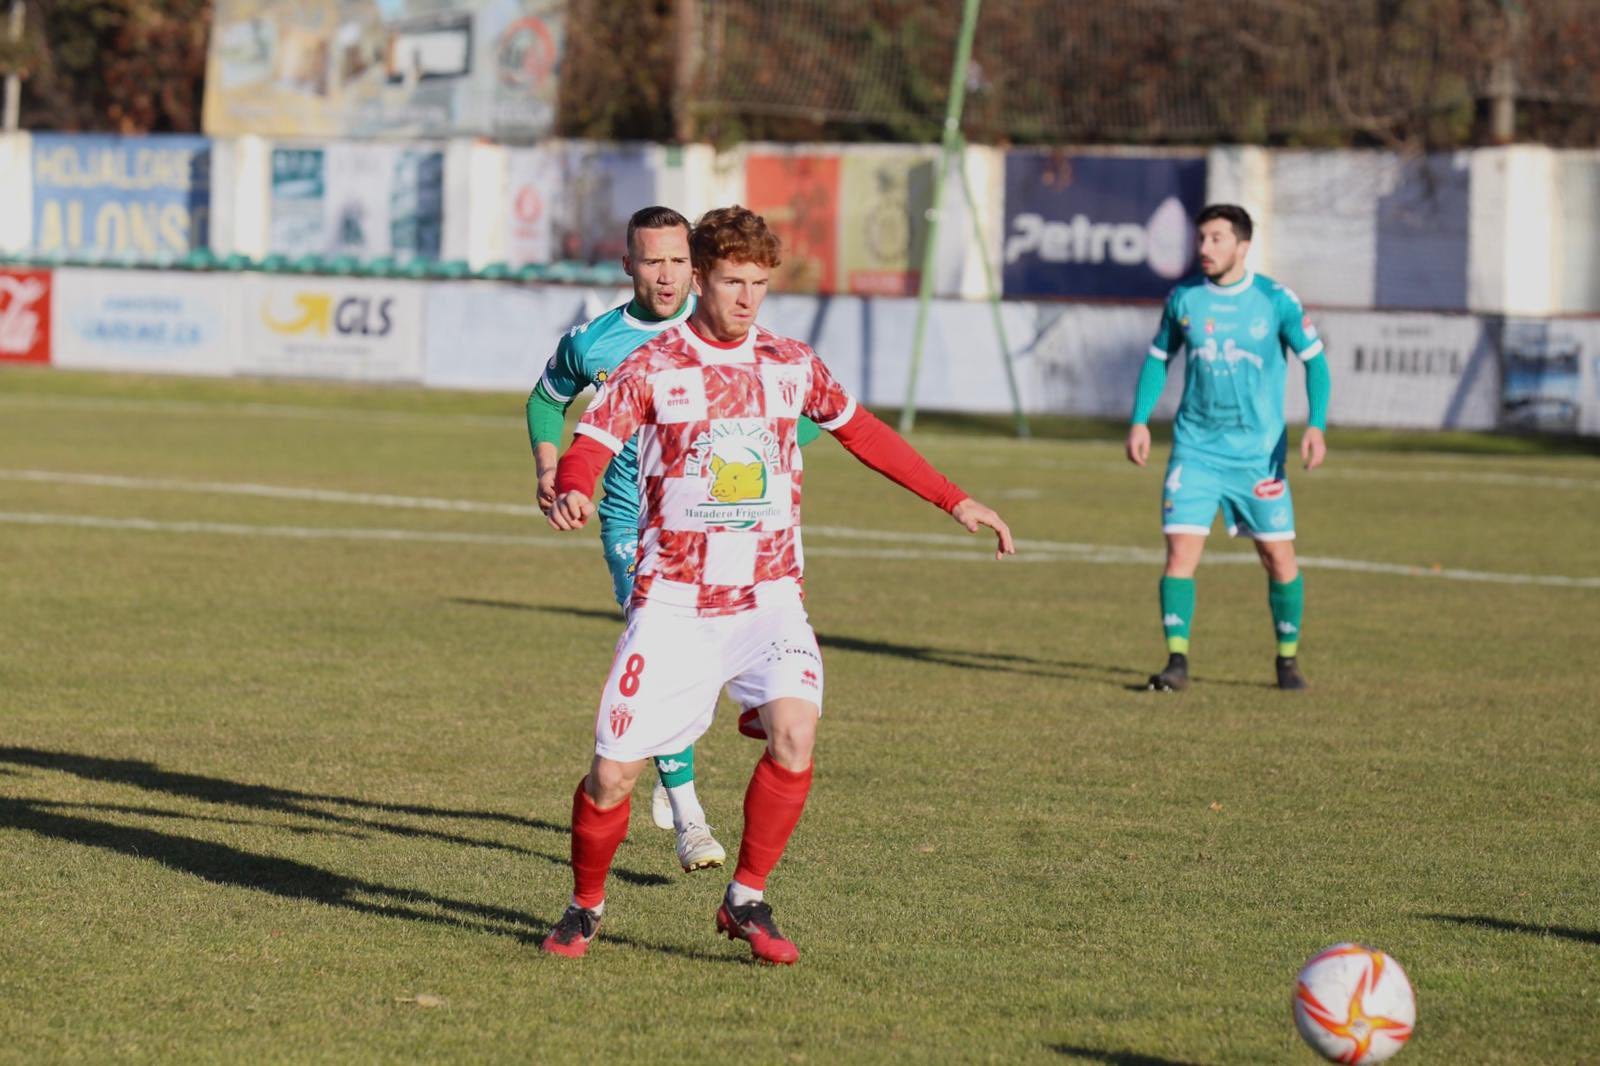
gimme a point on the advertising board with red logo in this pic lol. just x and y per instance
(24, 316)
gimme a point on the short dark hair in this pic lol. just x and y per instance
(734, 233)
(656, 217)
(1233, 214)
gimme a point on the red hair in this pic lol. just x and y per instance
(736, 234)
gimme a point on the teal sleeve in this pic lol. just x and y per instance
(1152, 379)
(547, 416)
(807, 431)
(1318, 384)
(1170, 336)
(564, 375)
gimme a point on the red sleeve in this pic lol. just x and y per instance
(581, 466)
(875, 444)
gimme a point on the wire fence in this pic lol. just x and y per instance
(1433, 73)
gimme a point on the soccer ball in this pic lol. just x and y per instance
(1353, 1004)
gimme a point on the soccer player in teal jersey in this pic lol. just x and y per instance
(658, 262)
(1230, 441)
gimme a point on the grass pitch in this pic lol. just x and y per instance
(294, 691)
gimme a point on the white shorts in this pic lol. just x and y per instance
(669, 669)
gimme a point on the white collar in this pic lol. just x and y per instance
(1236, 288)
(660, 323)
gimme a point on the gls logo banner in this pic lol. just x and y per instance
(323, 314)
(1118, 226)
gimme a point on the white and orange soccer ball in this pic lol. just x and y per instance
(1353, 1004)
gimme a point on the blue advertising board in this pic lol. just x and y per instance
(1108, 226)
(120, 197)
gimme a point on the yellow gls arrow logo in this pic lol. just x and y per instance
(316, 312)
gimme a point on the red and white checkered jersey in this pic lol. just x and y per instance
(719, 463)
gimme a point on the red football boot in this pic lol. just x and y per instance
(753, 922)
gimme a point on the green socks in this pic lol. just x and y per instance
(1177, 611)
(676, 769)
(1288, 601)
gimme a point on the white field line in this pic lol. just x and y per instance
(258, 410)
(936, 546)
(965, 446)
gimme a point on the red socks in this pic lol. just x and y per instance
(772, 806)
(596, 835)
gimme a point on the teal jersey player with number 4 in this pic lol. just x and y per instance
(1230, 440)
(658, 263)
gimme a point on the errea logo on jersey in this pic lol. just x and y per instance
(1162, 243)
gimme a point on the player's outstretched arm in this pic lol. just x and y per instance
(972, 514)
(867, 438)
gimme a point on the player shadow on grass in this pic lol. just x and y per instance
(990, 661)
(219, 790)
(222, 864)
(1564, 932)
(1116, 1058)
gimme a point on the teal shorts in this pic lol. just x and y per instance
(1255, 499)
(621, 546)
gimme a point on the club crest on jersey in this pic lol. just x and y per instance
(621, 719)
(789, 389)
(735, 460)
(1270, 488)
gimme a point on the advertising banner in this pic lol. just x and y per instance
(331, 68)
(884, 198)
(299, 190)
(122, 197)
(1407, 370)
(1542, 363)
(600, 187)
(144, 321)
(1085, 359)
(365, 200)
(533, 188)
(488, 336)
(331, 327)
(799, 197)
(1109, 226)
(24, 315)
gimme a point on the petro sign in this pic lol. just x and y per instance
(1112, 226)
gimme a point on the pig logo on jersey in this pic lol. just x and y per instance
(737, 482)
(735, 461)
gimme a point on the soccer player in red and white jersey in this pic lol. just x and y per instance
(717, 587)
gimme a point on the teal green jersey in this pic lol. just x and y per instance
(1238, 338)
(585, 356)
